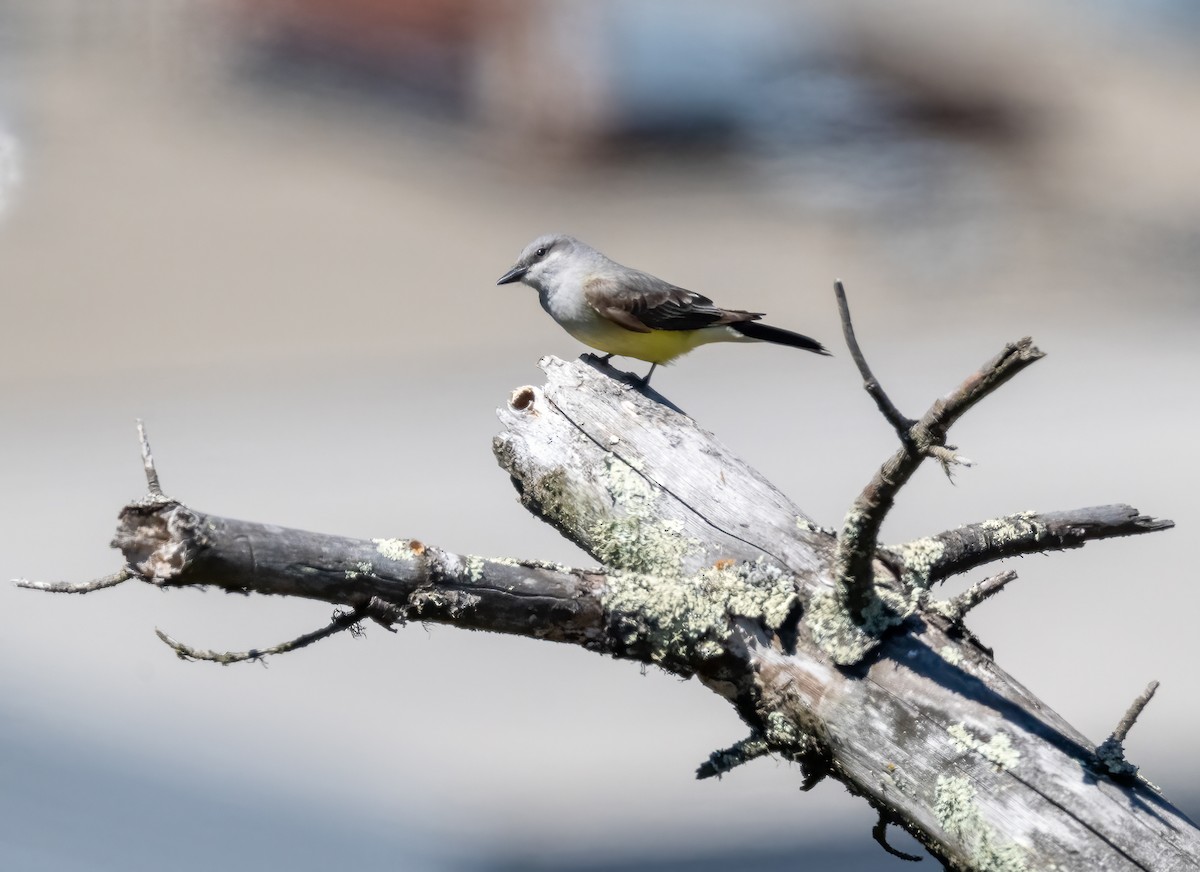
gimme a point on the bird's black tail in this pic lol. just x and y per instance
(758, 330)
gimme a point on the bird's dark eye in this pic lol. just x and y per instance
(541, 252)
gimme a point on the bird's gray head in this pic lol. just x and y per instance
(544, 258)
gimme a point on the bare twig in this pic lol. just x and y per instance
(148, 462)
(720, 762)
(1135, 710)
(857, 541)
(113, 580)
(957, 607)
(341, 621)
(1110, 753)
(956, 551)
(948, 457)
(879, 834)
(900, 423)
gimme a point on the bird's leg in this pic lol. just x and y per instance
(645, 380)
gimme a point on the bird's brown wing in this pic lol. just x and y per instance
(640, 302)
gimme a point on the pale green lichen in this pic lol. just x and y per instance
(678, 622)
(948, 609)
(454, 603)
(844, 636)
(847, 641)
(638, 545)
(624, 479)
(844, 641)
(803, 523)
(1012, 528)
(781, 733)
(634, 539)
(657, 612)
(951, 655)
(998, 750)
(919, 558)
(959, 815)
(726, 759)
(551, 496)
(360, 568)
(475, 567)
(394, 549)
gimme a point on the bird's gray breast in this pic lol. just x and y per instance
(565, 303)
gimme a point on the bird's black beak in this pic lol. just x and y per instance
(513, 275)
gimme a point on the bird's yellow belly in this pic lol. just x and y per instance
(657, 346)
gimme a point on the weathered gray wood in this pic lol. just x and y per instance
(931, 729)
(393, 580)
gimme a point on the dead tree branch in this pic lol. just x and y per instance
(953, 552)
(341, 622)
(900, 423)
(857, 542)
(168, 544)
(118, 577)
(709, 571)
(957, 608)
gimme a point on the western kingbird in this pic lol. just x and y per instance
(631, 313)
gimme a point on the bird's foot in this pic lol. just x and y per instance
(644, 381)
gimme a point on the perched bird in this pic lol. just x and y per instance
(631, 313)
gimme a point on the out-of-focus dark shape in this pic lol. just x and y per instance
(415, 49)
(848, 105)
(584, 77)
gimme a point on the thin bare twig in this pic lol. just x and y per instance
(900, 423)
(341, 621)
(1135, 710)
(720, 762)
(879, 834)
(948, 457)
(957, 607)
(148, 462)
(1110, 754)
(113, 580)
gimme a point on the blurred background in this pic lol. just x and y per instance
(271, 228)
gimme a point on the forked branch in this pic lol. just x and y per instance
(858, 539)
